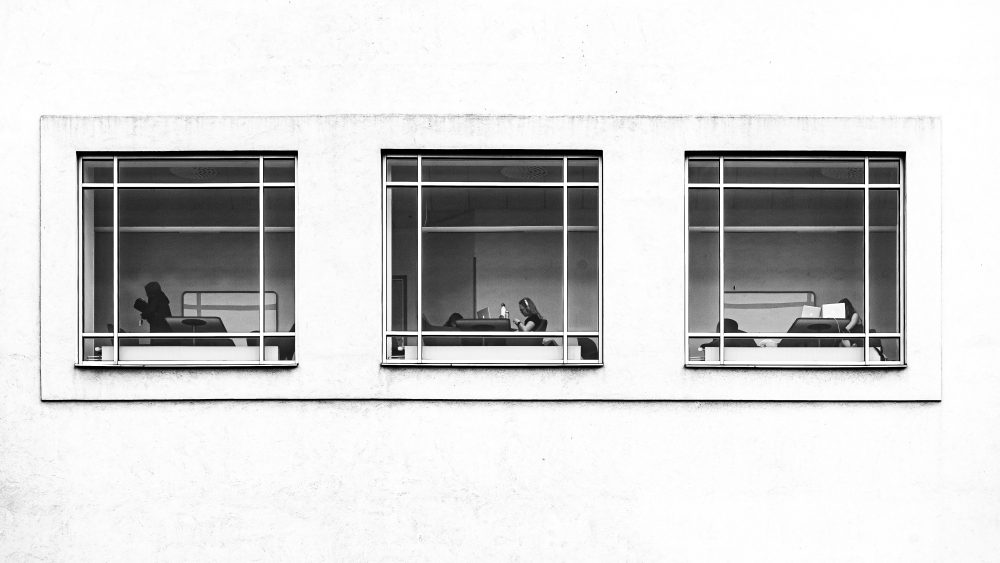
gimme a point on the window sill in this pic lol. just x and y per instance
(127, 365)
(872, 366)
(587, 364)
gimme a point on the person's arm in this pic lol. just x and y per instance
(855, 319)
(525, 327)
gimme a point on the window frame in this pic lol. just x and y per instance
(867, 187)
(115, 186)
(419, 184)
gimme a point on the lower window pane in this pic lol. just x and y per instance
(98, 350)
(194, 348)
(584, 348)
(498, 347)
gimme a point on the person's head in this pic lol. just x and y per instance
(451, 320)
(527, 307)
(153, 290)
(849, 309)
(729, 325)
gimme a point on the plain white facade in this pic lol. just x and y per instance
(910, 476)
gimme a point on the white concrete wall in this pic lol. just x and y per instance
(459, 481)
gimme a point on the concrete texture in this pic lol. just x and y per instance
(401, 481)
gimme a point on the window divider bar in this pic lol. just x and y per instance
(115, 258)
(420, 258)
(260, 256)
(867, 263)
(565, 260)
(722, 258)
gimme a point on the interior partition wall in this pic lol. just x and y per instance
(492, 259)
(795, 260)
(186, 260)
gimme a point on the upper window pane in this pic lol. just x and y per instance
(883, 172)
(401, 170)
(703, 171)
(279, 170)
(482, 207)
(188, 171)
(582, 169)
(766, 171)
(534, 170)
(98, 171)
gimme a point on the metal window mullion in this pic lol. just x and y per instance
(386, 276)
(80, 309)
(115, 257)
(867, 263)
(260, 258)
(600, 258)
(420, 259)
(722, 258)
(900, 263)
(687, 260)
(565, 260)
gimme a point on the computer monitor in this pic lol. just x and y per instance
(483, 325)
(484, 314)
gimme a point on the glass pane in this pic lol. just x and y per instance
(512, 347)
(220, 208)
(177, 241)
(194, 348)
(98, 171)
(97, 258)
(584, 348)
(281, 346)
(758, 207)
(279, 258)
(401, 208)
(476, 274)
(739, 171)
(703, 171)
(884, 350)
(883, 171)
(492, 170)
(401, 348)
(186, 170)
(883, 267)
(98, 350)
(582, 170)
(279, 169)
(401, 170)
(697, 351)
(583, 260)
(492, 207)
(703, 260)
(796, 243)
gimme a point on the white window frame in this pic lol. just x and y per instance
(866, 187)
(115, 186)
(419, 184)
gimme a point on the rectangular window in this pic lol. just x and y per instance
(794, 261)
(492, 259)
(187, 260)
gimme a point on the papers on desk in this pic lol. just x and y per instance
(827, 311)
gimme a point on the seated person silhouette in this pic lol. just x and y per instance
(731, 326)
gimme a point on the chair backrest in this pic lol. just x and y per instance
(542, 325)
